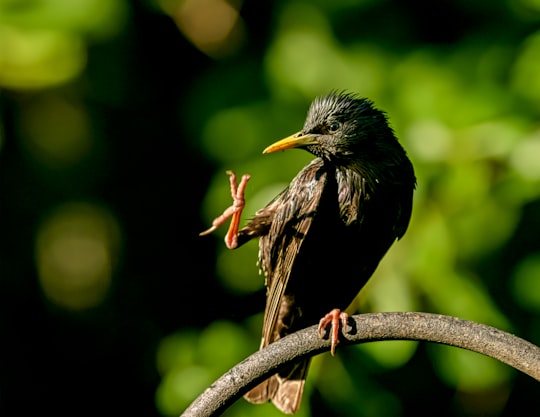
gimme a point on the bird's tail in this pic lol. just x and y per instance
(283, 389)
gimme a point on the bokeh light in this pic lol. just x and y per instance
(44, 44)
(77, 250)
(118, 121)
(57, 132)
(213, 26)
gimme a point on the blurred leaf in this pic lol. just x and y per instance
(39, 58)
(221, 345)
(76, 252)
(176, 351)
(238, 270)
(469, 371)
(180, 387)
(42, 43)
(233, 134)
(305, 57)
(189, 361)
(526, 71)
(484, 228)
(350, 391)
(525, 156)
(525, 282)
(437, 148)
(98, 18)
(390, 355)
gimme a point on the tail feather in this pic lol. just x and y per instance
(283, 389)
(263, 392)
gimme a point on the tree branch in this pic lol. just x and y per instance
(452, 331)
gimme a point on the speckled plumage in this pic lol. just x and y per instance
(322, 237)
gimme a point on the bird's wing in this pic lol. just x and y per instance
(282, 225)
(293, 212)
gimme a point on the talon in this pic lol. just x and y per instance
(336, 318)
(208, 231)
(234, 211)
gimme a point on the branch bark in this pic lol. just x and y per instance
(451, 331)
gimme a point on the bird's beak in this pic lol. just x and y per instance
(297, 140)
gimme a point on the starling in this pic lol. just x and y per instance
(322, 237)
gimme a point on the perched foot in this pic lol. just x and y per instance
(234, 211)
(335, 318)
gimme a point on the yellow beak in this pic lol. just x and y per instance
(297, 140)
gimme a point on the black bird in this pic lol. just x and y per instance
(322, 237)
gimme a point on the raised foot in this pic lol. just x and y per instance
(234, 211)
(336, 319)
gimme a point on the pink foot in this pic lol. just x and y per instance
(234, 211)
(336, 318)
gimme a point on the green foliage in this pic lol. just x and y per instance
(469, 371)
(525, 283)
(191, 360)
(42, 44)
(464, 101)
(466, 113)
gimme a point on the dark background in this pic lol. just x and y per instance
(148, 94)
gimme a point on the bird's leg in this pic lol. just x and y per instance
(335, 318)
(234, 211)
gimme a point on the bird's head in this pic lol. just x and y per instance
(340, 127)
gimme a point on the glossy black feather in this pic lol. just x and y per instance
(322, 238)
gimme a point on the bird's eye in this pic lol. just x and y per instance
(334, 126)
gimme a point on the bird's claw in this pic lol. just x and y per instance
(234, 211)
(336, 319)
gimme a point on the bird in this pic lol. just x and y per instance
(323, 236)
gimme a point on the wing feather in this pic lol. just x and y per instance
(281, 226)
(287, 220)
(279, 248)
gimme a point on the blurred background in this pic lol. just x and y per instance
(118, 121)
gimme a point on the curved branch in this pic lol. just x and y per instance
(452, 331)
